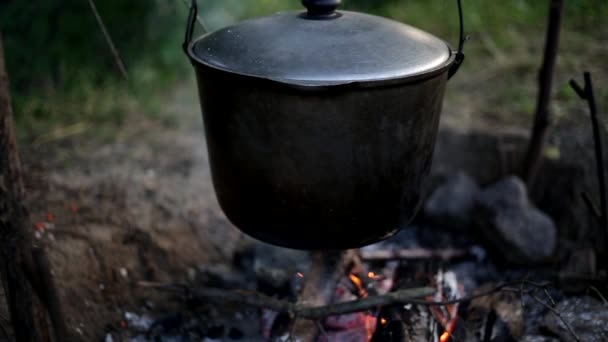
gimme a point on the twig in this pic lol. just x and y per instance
(321, 329)
(549, 296)
(542, 114)
(594, 289)
(413, 254)
(591, 206)
(558, 315)
(106, 34)
(587, 94)
(256, 299)
(317, 312)
(552, 308)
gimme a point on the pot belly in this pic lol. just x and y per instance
(318, 169)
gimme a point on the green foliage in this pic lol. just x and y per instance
(57, 41)
(63, 71)
(61, 67)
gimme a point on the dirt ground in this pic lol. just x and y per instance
(138, 208)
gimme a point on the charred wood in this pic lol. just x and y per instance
(327, 268)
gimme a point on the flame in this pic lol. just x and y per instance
(371, 275)
(355, 280)
(451, 326)
(40, 226)
(359, 284)
(370, 326)
(447, 320)
(383, 321)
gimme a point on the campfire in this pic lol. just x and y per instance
(424, 284)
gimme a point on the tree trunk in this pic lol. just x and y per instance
(13, 216)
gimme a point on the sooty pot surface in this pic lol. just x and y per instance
(320, 125)
(328, 169)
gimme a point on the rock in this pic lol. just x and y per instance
(450, 205)
(510, 191)
(483, 152)
(516, 230)
(586, 316)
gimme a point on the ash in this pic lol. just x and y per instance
(468, 240)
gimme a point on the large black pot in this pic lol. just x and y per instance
(320, 125)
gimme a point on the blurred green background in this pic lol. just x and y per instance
(62, 71)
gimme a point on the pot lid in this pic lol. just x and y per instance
(322, 47)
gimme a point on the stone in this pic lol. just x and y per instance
(512, 227)
(451, 204)
(587, 317)
(510, 191)
(483, 152)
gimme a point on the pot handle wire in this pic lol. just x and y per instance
(462, 39)
(192, 18)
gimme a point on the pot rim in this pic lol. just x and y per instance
(313, 85)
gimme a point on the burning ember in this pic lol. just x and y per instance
(361, 283)
(436, 315)
(361, 291)
(447, 316)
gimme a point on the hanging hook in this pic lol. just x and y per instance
(462, 39)
(192, 15)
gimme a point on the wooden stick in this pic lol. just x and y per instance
(542, 114)
(559, 316)
(587, 94)
(407, 296)
(119, 62)
(302, 310)
(413, 254)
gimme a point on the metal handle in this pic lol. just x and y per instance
(190, 25)
(459, 58)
